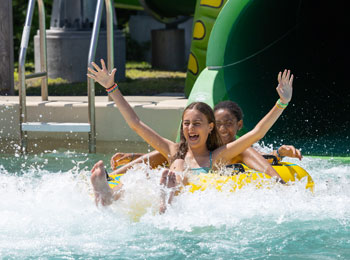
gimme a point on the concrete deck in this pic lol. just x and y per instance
(162, 113)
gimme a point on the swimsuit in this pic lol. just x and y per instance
(202, 169)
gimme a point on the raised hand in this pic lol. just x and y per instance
(285, 86)
(101, 75)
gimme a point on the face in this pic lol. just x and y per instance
(196, 128)
(227, 125)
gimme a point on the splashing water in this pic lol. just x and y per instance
(47, 211)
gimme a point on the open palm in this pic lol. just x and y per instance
(101, 75)
(285, 86)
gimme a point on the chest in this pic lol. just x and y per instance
(198, 161)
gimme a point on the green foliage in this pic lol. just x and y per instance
(141, 79)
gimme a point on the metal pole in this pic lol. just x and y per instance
(91, 83)
(43, 52)
(109, 32)
(21, 73)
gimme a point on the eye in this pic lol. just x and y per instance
(186, 123)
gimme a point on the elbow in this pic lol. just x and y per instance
(258, 134)
(135, 124)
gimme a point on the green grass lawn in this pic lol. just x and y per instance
(141, 79)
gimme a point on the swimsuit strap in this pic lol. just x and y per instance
(210, 160)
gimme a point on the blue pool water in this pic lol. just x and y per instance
(47, 212)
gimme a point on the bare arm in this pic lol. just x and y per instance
(166, 147)
(153, 158)
(120, 159)
(255, 160)
(284, 89)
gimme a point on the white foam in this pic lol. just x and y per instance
(42, 208)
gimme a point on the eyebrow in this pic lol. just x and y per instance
(226, 120)
(195, 120)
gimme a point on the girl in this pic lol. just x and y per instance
(229, 120)
(200, 146)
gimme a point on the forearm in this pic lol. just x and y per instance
(144, 131)
(125, 109)
(153, 159)
(254, 160)
(266, 123)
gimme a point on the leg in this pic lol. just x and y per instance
(103, 193)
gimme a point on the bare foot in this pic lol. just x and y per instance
(103, 193)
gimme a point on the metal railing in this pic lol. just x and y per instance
(89, 127)
(21, 65)
(91, 58)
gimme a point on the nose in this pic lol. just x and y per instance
(221, 128)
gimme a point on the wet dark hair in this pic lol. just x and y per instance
(232, 107)
(213, 141)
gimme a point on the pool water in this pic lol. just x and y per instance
(47, 212)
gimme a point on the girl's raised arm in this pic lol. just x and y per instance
(106, 79)
(284, 90)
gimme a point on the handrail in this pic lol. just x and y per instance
(43, 50)
(24, 126)
(109, 32)
(91, 58)
(22, 59)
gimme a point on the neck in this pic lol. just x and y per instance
(194, 152)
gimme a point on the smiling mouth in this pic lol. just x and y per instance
(193, 137)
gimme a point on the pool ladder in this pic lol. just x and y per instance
(89, 127)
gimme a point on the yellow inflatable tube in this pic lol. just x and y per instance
(289, 173)
(240, 176)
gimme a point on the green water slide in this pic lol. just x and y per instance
(205, 16)
(252, 40)
(238, 48)
(238, 42)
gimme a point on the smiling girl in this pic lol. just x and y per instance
(200, 148)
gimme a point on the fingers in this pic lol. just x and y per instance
(113, 166)
(96, 66)
(91, 76)
(285, 77)
(287, 74)
(291, 80)
(299, 156)
(290, 151)
(117, 156)
(113, 72)
(293, 150)
(279, 77)
(103, 65)
(92, 71)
